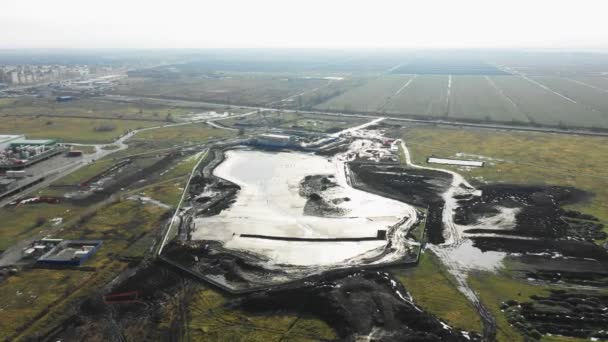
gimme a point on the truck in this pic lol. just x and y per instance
(15, 174)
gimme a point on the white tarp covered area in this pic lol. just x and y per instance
(269, 203)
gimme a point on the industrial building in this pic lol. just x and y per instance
(274, 140)
(32, 142)
(70, 253)
(6, 140)
(16, 152)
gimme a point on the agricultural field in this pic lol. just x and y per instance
(499, 98)
(591, 98)
(545, 106)
(244, 89)
(334, 87)
(448, 66)
(476, 97)
(369, 97)
(425, 96)
(599, 82)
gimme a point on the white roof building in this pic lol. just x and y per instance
(6, 140)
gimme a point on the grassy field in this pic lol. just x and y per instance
(434, 291)
(37, 299)
(369, 97)
(493, 289)
(211, 320)
(22, 222)
(243, 89)
(74, 130)
(476, 97)
(90, 107)
(522, 158)
(194, 133)
(324, 93)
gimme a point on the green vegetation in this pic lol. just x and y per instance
(47, 108)
(369, 97)
(85, 173)
(25, 295)
(76, 130)
(476, 97)
(240, 89)
(25, 221)
(522, 158)
(588, 96)
(193, 133)
(493, 289)
(211, 320)
(119, 225)
(425, 96)
(545, 107)
(434, 291)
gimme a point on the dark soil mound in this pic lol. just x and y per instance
(357, 303)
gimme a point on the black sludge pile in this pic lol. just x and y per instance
(418, 187)
(540, 211)
(357, 304)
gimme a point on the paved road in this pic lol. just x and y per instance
(374, 115)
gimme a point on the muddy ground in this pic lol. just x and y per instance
(422, 188)
(141, 318)
(357, 304)
(540, 212)
(312, 188)
(571, 313)
(126, 175)
(354, 304)
(541, 225)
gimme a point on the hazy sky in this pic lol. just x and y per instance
(310, 23)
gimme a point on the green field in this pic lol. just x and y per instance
(425, 96)
(476, 97)
(369, 97)
(522, 158)
(212, 320)
(240, 89)
(74, 130)
(192, 133)
(591, 98)
(29, 306)
(90, 107)
(519, 158)
(434, 291)
(546, 107)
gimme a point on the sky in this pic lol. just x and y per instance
(303, 24)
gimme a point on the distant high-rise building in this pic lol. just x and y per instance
(14, 77)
